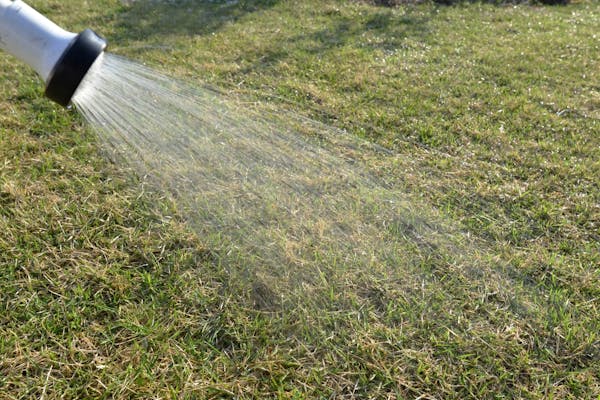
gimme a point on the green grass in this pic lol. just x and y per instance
(492, 117)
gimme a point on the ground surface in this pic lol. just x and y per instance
(492, 116)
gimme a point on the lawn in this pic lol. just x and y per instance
(490, 120)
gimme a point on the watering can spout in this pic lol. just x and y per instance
(60, 57)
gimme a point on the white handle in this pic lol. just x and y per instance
(31, 37)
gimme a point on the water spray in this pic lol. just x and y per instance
(257, 184)
(60, 57)
(279, 198)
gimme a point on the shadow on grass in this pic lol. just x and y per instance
(379, 31)
(145, 19)
(394, 3)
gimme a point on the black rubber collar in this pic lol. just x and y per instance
(73, 65)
